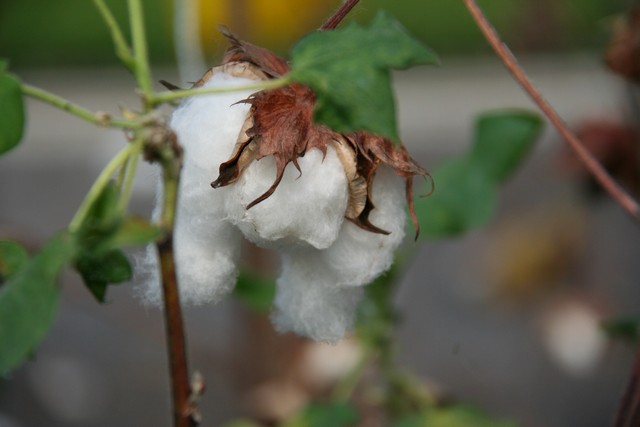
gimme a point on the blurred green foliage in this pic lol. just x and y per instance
(62, 32)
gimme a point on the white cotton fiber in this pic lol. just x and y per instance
(359, 256)
(307, 208)
(208, 125)
(308, 302)
(206, 245)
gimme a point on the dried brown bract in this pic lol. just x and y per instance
(280, 124)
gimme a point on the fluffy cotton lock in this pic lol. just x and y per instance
(326, 258)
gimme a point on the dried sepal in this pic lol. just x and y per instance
(283, 128)
(265, 60)
(245, 70)
(371, 151)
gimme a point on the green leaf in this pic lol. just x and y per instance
(100, 261)
(451, 416)
(12, 258)
(502, 141)
(326, 415)
(99, 271)
(28, 301)
(11, 110)
(133, 231)
(255, 292)
(463, 199)
(349, 70)
(624, 328)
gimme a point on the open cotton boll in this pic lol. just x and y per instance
(307, 208)
(358, 256)
(208, 125)
(308, 302)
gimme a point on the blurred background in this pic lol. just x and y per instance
(507, 318)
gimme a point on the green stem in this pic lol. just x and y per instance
(100, 119)
(123, 51)
(139, 40)
(129, 174)
(98, 186)
(169, 96)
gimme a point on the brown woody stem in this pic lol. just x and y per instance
(628, 414)
(169, 155)
(340, 14)
(176, 344)
(597, 170)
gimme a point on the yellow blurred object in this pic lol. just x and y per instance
(532, 253)
(274, 24)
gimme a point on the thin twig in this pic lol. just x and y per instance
(98, 186)
(123, 51)
(628, 414)
(340, 14)
(100, 119)
(139, 42)
(597, 170)
(174, 95)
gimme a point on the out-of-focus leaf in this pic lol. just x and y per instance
(242, 423)
(463, 199)
(133, 231)
(451, 416)
(11, 110)
(326, 415)
(12, 258)
(466, 187)
(255, 292)
(349, 70)
(625, 328)
(502, 141)
(28, 301)
(99, 271)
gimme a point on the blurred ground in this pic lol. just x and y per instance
(466, 328)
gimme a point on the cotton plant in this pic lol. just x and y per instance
(257, 166)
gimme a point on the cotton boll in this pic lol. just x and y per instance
(359, 256)
(308, 302)
(208, 125)
(307, 208)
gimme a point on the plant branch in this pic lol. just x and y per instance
(175, 95)
(628, 414)
(597, 170)
(96, 189)
(168, 154)
(129, 174)
(100, 119)
(139, 41)
(339, 15)
(123, 51)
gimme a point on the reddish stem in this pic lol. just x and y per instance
(340, 14)
(597, 170)
(628, 414)
(176, 341)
